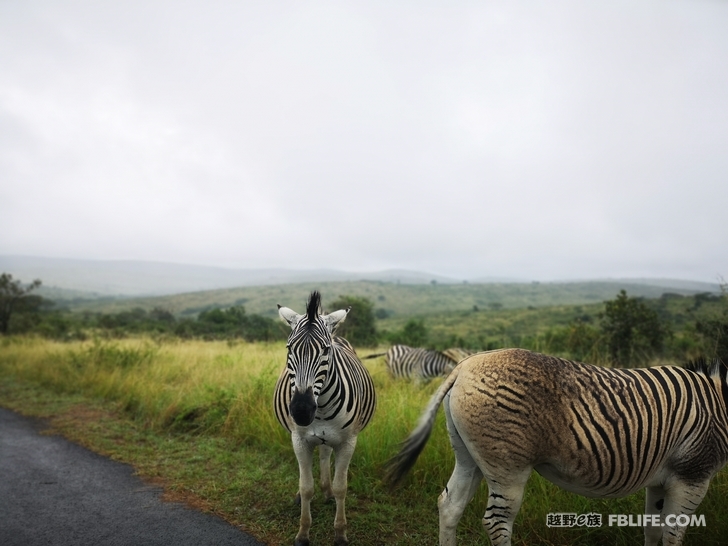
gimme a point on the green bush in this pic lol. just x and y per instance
(633, 332)
(713, 329)
(358, 328)
(229, 323)
(414, 333)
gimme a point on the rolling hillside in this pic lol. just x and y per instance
(391, 298)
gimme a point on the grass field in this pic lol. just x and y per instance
(199, 417)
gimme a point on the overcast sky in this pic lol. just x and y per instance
(537, 140)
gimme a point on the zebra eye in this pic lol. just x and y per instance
(326, 351)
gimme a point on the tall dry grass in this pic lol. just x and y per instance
(210, 387)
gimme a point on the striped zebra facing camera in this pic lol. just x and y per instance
(324, 397)
(599, 432)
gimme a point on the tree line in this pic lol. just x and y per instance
(22, 312)
(628, 331)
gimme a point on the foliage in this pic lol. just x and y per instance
(232, 322)
(633, 331)
(359, 327)
(714, 329)
(136, 321)
(32, 314)
(715, 333)
(580, 340)
(570, 331)
(15, 297)
(414, 333)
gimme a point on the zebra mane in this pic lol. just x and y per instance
(711, 368)
(715, 368)
(313, 305)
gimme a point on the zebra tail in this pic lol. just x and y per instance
(372, 356)
(398, 466)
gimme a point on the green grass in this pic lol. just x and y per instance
(198, 415)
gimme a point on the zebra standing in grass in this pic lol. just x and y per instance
(420, 364)
(595, 431)
(324, 397)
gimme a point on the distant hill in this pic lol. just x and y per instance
(96, 278)
(667, 284)
(110, 286)
(390, 299)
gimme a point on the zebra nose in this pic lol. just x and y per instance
(303, 407)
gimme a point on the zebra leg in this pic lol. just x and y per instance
(505, 494)
(325, 464)
(460, 488)
(681, 499)
(304, 454)
(342, 458)
(654, 501)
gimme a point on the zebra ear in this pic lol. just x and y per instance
(333, 320)
(289, 315)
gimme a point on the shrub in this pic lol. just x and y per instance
(633, 332)
(358, 328)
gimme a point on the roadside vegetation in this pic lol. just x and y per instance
(194, 409)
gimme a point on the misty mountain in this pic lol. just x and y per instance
(139, 278)
(68, 278)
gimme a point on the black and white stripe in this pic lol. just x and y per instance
(324, 397)
(595, 431)
(421, 364)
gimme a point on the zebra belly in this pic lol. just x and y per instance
(574, 484)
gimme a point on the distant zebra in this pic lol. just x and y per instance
(599, 432)
(324, 397)
(420, 364)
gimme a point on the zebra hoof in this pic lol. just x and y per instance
(301, 542)
(341, 542)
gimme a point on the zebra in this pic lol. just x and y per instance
(596, 431)
(324, 397)
(421, 364)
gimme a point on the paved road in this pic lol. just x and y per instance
(56, 493)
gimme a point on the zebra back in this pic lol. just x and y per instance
(434, 365)
(422, 364)
(402, 360)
